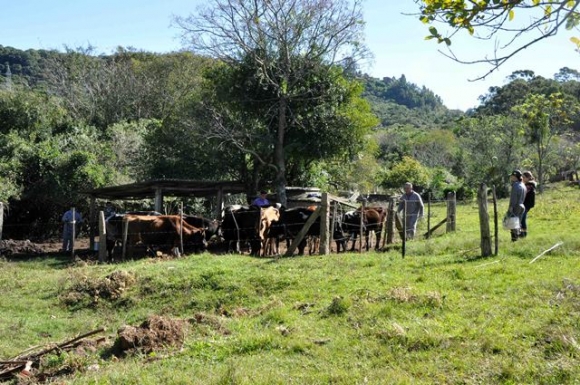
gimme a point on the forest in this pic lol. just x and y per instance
(77, 119)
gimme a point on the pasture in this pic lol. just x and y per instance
(441, 315)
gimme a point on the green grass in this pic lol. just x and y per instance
(441, 315)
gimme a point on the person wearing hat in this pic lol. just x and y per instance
(261, 201)
(529, 200)
(516, 206)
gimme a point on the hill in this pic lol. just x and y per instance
(440, 315)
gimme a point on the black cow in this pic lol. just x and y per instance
(241, 226)
(293, 220)
(211, 226)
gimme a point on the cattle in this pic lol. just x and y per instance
(293, 220)
(153, 231)
(164, 231)
(372, 221)
(211, 226)
(240, 226)
(268, 216)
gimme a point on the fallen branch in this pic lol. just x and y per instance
(62, 345)
(547, 251)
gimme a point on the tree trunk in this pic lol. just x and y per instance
(279, 156)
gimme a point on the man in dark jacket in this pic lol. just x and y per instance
(529, 203)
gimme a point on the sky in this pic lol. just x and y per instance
(393, 35)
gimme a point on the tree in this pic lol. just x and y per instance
(546, 117)
(279, 41)
(488, 18)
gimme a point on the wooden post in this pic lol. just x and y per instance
(92, 222)
(74, 233)
(404, 247)
(428, 214)
(219, 210)
(495, 223)
(181, 227)
(302, 232)
(333, 225)
(361, 224)
(159, 200)
(324, 227)
(391, 222)
(451, 211)
(384, 228)
(484, 221)
(102, 237)
(1, 218)
(125, 236)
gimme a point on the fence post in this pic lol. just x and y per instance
(1, 218)
(404, 237)
(484, 221)
(181, 227)
(390, 221)
(495, 223)
(324, 217)
(451, 211)
(361, 224)
(333, 229)
(125, 236)
(428, 214)
(102, 237)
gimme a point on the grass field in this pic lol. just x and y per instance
(442, 315)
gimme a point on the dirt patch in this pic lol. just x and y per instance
(156, 333)
(90, 291)
(10, 247)
(206, 323)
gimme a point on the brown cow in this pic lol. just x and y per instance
(163, 231)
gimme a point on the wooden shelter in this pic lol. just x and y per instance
(157, 189)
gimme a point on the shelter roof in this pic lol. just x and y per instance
(168, 187)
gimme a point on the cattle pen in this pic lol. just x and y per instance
(391, 232)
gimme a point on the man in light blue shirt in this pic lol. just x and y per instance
(414, 209)
(261, 201)
(67, 233)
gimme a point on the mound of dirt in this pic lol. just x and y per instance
(155, 334)
(10, 246)
(111, 287)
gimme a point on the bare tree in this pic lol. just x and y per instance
(488, 20)
(277, 37)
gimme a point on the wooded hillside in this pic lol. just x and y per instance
(78, 119)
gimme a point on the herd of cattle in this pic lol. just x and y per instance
(258, 230)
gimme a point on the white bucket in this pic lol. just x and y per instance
(511, 223)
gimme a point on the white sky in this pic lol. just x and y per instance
(397, 41)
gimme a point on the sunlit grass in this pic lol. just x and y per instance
(440, 315)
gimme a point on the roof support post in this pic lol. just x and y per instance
(159, 199)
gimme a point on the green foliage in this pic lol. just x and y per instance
(407, 170)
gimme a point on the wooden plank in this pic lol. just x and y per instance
(435, 228)
(302, 232)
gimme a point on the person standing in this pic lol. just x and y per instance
(109, 211)
(529, 200)
(70, 221)
(516, 206)
(414, 209)
(261, 201)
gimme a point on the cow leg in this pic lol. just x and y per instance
(378, 238)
